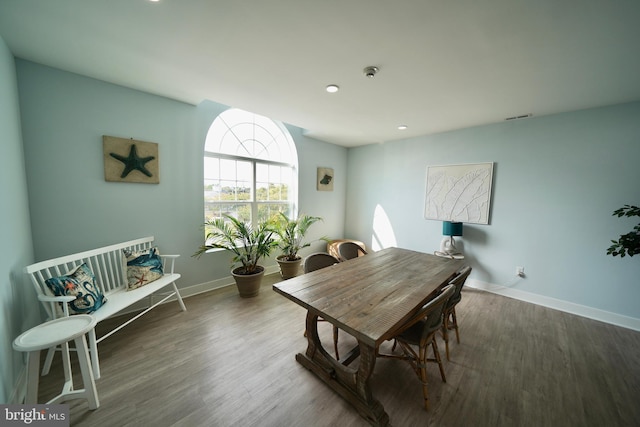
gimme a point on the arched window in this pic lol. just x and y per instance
(250, 168)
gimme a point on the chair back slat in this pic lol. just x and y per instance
(318, 260)
(350, 250)
(458, 282)
(433, 320)
(430, 313)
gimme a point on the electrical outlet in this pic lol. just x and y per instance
(520, 271)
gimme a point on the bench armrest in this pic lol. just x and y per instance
(173, 261)
(47, 298)
(61, 299)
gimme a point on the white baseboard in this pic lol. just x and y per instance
(568, 307)
(217, 284)
(192, 290)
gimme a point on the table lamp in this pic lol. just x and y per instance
(448, 244)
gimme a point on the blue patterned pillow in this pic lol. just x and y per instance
(81, 283)
(143, 267)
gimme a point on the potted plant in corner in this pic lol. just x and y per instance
(248, 245)
(291, 233)
(627, 244)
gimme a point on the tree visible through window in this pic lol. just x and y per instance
(250, 168)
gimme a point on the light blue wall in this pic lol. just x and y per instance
(19, 310)
(330, 205)
(64, 116)
(557, 180)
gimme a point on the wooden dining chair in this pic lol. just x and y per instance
(314, 262)
(318, 260)
(420, 331)
(350, 250)
(449, 319)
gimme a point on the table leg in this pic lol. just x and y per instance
(353, 385)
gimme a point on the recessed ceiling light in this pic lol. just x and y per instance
(402, 127)
(333, 88)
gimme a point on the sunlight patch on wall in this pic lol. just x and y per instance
(383, 235)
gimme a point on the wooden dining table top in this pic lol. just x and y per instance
(371, 296)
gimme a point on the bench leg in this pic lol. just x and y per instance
(175, 288)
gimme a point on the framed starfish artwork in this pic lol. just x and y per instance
(129, 160)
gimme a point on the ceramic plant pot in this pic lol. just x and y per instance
(288, 269)
(248, 284)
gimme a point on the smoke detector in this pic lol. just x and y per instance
(370, 71)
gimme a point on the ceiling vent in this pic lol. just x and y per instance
(524, 116)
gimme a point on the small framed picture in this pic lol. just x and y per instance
(325, 179)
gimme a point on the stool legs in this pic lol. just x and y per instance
(66, 366)
(89, 391)
(48, 361)
(93, 347)
(33, 371)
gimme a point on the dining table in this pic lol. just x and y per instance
(370, 298)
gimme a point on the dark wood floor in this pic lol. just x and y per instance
(229, 361)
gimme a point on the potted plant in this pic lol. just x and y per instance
(627, 244)
(291, 233)
(248, 245)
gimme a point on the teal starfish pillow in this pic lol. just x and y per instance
(142, 267)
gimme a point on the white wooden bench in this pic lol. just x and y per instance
(109, 267)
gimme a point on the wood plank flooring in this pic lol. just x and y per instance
(229, 361)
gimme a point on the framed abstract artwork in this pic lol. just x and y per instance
(459, 193)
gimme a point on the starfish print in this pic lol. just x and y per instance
(133, 162)
(141, 280)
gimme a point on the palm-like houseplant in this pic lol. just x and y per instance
(291, 239)
(247, 243)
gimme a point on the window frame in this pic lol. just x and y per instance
(290, 205)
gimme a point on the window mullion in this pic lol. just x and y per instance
(254, 196)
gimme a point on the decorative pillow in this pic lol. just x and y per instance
(81, 283)
(142, 267)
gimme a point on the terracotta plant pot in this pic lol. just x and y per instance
(248, 284)
(288, 269)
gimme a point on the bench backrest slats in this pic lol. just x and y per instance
(106, 263)
(95, 268)
(107, 268)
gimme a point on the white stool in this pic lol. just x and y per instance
(51, 334)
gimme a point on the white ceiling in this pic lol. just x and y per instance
(444, 64)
